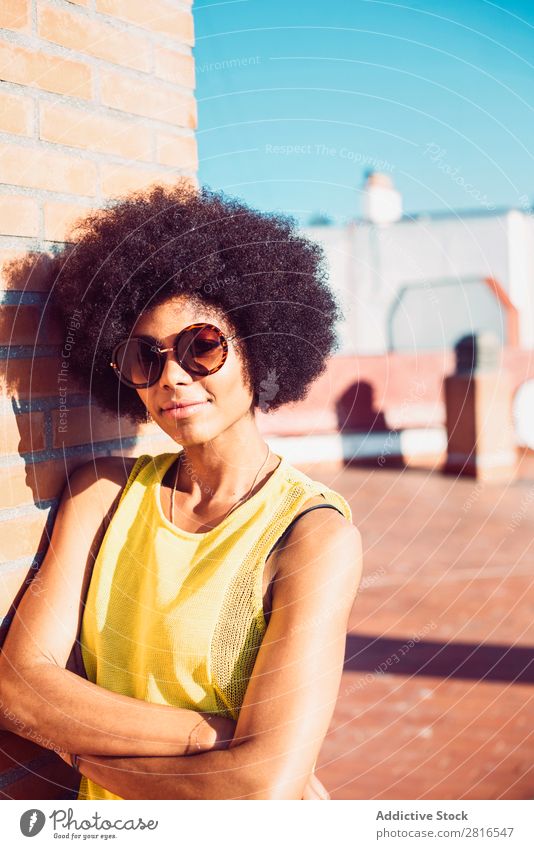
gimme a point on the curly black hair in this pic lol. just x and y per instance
(255, 268)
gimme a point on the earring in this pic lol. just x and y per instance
(148, 417)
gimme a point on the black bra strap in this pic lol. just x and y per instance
(315, 507)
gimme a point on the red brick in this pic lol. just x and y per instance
(82, 33)
(88, 424)
(42, 481)
(35, 167)
(59, 218)
(16, 114)
(118, 180)
(11, 582)
(23, 536)
(151, 100)
(177, 151)
(19, 216)
(19, 434)
(16, 487)
(155, 16)
(42, 70)
(93, 131)
(15, 14)
(174, 66)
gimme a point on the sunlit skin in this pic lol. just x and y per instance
(309, 586)
(222, 443)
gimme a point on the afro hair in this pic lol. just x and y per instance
(255, 268)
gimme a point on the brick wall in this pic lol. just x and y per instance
(96, 99)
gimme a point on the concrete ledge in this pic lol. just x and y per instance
(407, 444)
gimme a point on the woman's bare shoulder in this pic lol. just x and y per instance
(113, 469)
(321, 538)
(105, 476)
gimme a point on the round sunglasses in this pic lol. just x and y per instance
(200, 349)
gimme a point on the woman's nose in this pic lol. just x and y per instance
(173, 372)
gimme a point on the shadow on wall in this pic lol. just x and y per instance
(356, 409)
(55, 413)
(31, 371)
(25, 376)
(51, 425)
(36, 468)
(357, 412)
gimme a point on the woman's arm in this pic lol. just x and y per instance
(39, 697)
(292, 692)
(52, 705)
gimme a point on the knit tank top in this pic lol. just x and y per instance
(175, 617)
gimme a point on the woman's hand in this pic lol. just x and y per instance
(314, 789)
(220, 733)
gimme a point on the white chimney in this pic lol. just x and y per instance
(382, 203)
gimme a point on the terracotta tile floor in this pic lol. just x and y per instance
(449, 563)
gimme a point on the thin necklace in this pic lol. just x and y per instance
(243, 498)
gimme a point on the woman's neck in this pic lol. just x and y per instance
(224, 469)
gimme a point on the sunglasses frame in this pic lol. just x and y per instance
(162, 360)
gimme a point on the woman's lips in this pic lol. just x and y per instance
(184, 412)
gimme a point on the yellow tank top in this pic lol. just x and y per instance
(175, 617)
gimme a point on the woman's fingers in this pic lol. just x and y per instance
(319, 787)
(309, 792)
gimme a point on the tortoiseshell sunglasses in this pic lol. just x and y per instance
(200, 349)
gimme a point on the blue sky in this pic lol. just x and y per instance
(297, 99)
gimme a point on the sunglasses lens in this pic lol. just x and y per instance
(201, 349)
(137, 363)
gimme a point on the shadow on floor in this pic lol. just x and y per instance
(443, 660)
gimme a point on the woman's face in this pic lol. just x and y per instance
(225, 396)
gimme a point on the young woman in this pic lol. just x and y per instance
(208, 594)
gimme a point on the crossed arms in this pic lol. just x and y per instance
(140, 750)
